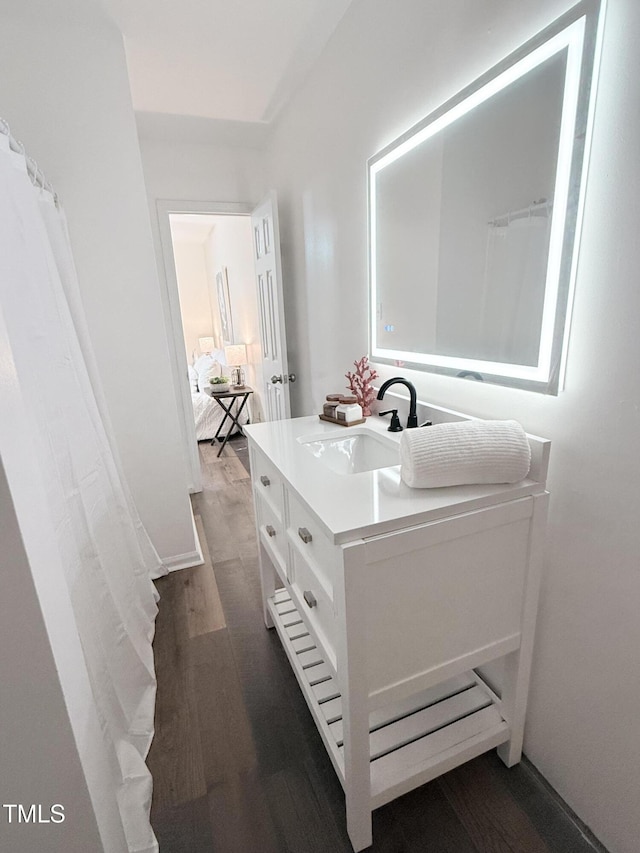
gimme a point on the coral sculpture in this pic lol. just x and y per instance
(360, 384)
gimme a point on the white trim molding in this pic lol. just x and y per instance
(188, 560)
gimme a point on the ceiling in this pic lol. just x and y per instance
(192, 227)
(227, 60)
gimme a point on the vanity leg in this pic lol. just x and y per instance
(359, 828)
(267, 582)
(355, 699)
(357, 773)
(514, 700)
(518, 664)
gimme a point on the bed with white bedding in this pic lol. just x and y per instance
(207, 413)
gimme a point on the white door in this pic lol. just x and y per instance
(275, 370)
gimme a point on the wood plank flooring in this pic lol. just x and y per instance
(238, 765)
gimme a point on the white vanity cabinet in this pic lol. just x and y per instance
(387, 601)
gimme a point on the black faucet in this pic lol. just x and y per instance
(412, 421)
(395, 425)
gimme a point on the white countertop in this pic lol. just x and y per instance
(355, 506)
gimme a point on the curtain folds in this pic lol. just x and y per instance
(108, 557)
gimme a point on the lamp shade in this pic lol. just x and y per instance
(236, 354)
(206, 344)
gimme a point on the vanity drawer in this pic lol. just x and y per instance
(267, 482)
(308, 537)
(313, 604)
(272, 535)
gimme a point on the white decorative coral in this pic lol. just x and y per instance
(360, 383)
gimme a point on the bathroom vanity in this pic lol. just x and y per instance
(388, 600)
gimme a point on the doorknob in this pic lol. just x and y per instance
(275, 379)
(292, 377)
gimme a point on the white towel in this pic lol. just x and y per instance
(464, 452)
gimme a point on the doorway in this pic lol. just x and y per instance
(212, 305)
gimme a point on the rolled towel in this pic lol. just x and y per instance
(465, 452)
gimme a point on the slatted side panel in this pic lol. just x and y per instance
(323, 686)
(426, 723)
(400, 710)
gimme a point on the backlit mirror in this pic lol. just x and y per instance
(474, 216)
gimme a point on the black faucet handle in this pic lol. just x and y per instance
(395, 425)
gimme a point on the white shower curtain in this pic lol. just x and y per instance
(107, 555)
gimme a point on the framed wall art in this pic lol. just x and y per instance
(224, 306)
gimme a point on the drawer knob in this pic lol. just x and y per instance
(304, 534)
(310, 598)
(270, 530)
(265, 480)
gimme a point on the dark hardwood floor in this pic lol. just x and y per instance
(237, 763)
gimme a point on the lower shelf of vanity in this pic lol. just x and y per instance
(412, 741)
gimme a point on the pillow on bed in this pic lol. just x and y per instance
(206, 367)
(214, 355)
(193, 379)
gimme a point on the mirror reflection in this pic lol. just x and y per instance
(472, 219)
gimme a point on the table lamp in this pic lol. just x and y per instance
(206, 345)
(236, 356)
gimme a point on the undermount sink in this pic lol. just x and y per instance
(354, 453)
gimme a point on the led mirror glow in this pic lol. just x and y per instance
(473, 216)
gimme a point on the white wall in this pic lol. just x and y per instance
(201, 170)
(182, 169)
(193, 290)
(66, 95)
(387, 66)
(230, 246)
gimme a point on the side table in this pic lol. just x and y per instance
(232, 395)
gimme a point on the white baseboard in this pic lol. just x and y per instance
(191, 558)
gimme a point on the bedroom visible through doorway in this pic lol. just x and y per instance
(215, 275)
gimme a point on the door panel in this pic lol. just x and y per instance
(266, 238)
